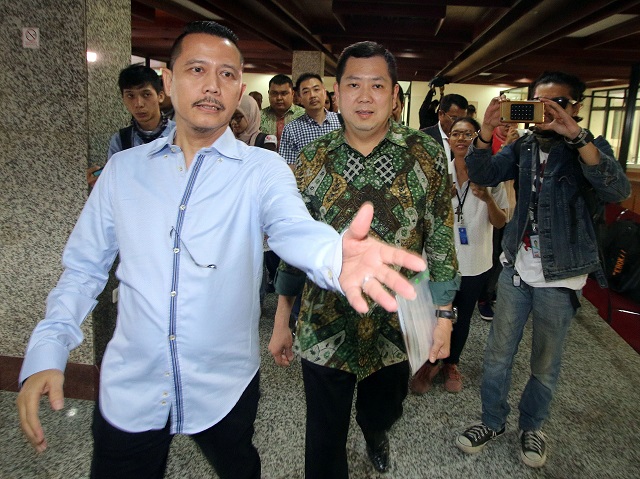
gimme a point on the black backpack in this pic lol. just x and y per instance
(126, 139)
(621, 251)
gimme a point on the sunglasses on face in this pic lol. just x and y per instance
(563, 101)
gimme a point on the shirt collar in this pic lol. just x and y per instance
(311, 120)
(395, 134)
(290, 111)
(226, 145)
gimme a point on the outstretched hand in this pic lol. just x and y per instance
(367, 266)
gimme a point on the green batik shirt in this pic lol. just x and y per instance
(406, 179)
(268, 118)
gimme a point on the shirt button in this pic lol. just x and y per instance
(165, 394)
(176, 250)
(183, 207)
(180, 168)
(172, 338)
(167, 374)
(164, 403)
(219, 160)
(173, 293)
(330, 274)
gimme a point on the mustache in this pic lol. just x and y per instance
(210, 101)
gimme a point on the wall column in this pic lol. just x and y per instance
(307, 61)
(58, 113)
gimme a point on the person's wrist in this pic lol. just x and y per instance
(485, 131)
(582, 138)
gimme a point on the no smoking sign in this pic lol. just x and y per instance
(31, 37)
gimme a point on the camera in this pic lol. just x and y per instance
(438, 82)
(530, 111)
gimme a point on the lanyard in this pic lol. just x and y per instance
(461, 201)
(537, 171)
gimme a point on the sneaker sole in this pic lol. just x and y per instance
(531, 463)
(470, 449)
(487, 318)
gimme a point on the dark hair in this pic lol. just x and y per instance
(281, 79)
(139, 75)
(576, 85)
(330, 99)
(207, 27)
(447, 101)
(400, 95)
(367, 50)
(306, 76)
(471, 109)
(467, 119)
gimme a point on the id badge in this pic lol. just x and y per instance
(462, 231)
(535, 245)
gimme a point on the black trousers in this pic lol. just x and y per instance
(329, 394)
(489, 290)
(227, 445)
(465, 300)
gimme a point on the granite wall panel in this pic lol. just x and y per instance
(53, 109)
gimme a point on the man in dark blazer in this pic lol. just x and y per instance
(452, 107)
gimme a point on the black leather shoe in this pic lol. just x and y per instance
(378, 452)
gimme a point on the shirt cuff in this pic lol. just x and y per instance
(287, 283)
(44, 356)
(443, 292)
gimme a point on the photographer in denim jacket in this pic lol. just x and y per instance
(549, 249)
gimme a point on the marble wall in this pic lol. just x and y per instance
(57, 115)
(307, 62)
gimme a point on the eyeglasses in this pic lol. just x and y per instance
(452, 118)
(563, 101)
(463, 135)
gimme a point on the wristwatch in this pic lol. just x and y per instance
(450, 315)
(584, 137)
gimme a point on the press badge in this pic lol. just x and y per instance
(462, 231)
(535, 245)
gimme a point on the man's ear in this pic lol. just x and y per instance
(167, 77)
(160, 96)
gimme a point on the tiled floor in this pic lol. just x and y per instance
(593, 432)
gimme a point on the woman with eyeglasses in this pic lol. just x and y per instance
(477, 210)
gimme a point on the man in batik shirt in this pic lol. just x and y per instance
(403, 172)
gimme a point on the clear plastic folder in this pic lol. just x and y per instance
(418, 321)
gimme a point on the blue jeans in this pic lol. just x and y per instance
(552, 314)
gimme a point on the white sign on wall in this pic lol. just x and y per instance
(31, 37)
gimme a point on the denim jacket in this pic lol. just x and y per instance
(568, 244)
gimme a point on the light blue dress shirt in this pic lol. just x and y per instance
(190, 243)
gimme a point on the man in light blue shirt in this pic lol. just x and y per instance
(187, 214)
